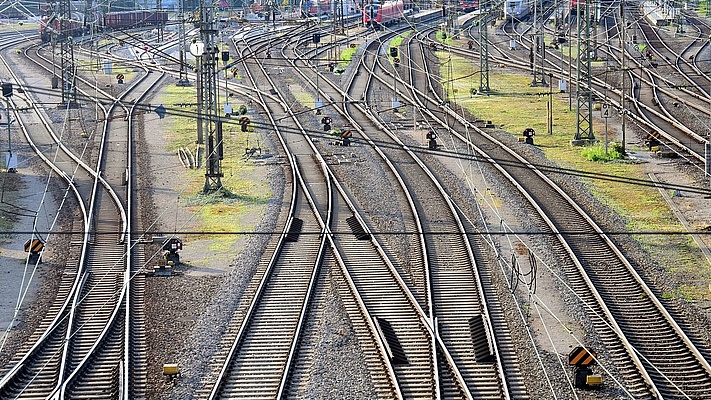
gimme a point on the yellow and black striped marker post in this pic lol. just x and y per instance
(34, 246)
(581, 357)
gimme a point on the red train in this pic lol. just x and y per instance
(468, 5)
(316, 8)
(378, 15)
(49, 26)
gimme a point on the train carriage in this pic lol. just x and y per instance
(53, 26)
(326, 8)
(135, 19)
(517, 9)
(50, 26)
(468, 5)
(378, 15)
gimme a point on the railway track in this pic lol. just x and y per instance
(421, 333)
(445, 258)
(309, 184)
(595, 260)
(352, 250)
(660, 104)
(85, 350)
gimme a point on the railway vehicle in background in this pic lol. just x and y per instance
(52, 26)
(468, 5)
(316, 8)
(517, 9)
(327, 8)
(135, 19)
(574, 5)
(378, 15)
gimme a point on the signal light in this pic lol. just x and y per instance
(393, 52)
(244, 121)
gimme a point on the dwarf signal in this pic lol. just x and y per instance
(244, 121)
(583, 359)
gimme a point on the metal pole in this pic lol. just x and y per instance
(541, 32)
(9, 139)
(534, 44)
(624, 74)
(606, 140)
(227, 95)
(183, 79)
(550, 103)
(200, 111)
(317, 104)
(570, 61)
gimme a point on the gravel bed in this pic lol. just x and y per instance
(330, 338)
(187, 315)
(362, 177)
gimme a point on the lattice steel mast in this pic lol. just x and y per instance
(484, 48)
(584, 131)
(208, 117)
(66, 52)
(538, 46)
(183, 79)
(161, 28)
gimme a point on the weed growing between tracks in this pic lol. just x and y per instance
(514, 105)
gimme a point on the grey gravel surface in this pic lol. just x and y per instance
(362, 176)
(188, 314)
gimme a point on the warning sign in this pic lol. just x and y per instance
(580, 356)
(34, 245)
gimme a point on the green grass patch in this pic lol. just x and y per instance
(444, 37)
(345, 59)
(514, 105)
(599, 153)
(395, 43)
(243, 195)
(347, 54)
(397, 40)
(303, 97)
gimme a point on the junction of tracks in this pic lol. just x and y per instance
(355, 260)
